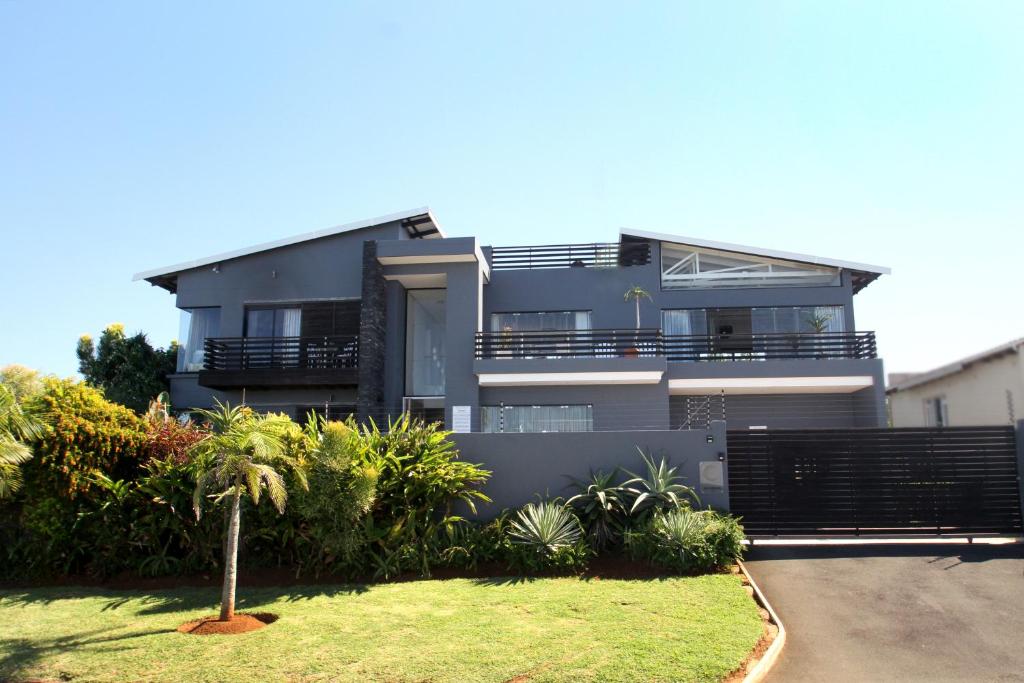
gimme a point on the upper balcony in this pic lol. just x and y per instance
(314, 361)
(652, 343)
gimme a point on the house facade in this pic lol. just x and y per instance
(391, 315)
(983, 389)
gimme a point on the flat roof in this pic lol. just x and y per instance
(957, 366)
(868, 272)
(420, 223)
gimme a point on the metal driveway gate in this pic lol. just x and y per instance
(953, 480)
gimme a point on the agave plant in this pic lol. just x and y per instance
(658, 490)
(546, 526)
(601, 505)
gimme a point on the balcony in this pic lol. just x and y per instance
(651, 343)
(266, 362)
(608, 255)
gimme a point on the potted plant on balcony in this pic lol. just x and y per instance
(635, 293)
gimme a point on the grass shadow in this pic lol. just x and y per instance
(20, 654)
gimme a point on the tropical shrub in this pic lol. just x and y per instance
(601, 506)
(658, 490)
(83, 434)
(468, 544)
(340, 493)
(419, 481)
(546, 536)
(684, 540)
(18, 427)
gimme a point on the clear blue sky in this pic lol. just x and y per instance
(139, 134)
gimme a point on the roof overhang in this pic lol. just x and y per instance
(418, 223)
(952, 368)
(862, 274)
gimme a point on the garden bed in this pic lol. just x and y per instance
(696, 628)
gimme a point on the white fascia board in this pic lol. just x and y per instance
(288, 241)
(546, 379)
(755, 251)
(440, 258)
(770, 385)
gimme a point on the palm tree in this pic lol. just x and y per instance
(238, 458)
(17, 425)
(635, 294)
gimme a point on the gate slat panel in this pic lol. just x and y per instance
(953, 480)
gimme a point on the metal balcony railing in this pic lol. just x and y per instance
(773, 346)
(692, 348)
(309, 353)
(609, 255)
(569, 344)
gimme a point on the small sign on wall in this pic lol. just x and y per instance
(462, 419)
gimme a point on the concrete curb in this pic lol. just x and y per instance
(771, 655)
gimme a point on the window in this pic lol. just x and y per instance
(197, 324)
(936, 412)
(685, 267)
(802, 319)
(540, 321)
(574, 418)
(424, 342)
(273, 322)
(692, 321)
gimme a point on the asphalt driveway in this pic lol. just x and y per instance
(896, 613)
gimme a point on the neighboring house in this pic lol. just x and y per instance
(984, 389)
(390, 314)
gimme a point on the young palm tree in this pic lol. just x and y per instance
(635, 294)
(17, 425)
(239, 458)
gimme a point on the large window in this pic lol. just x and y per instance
(196, 325)
(685, 267)
(747, 321)
(540, 321)
(424, 342)
(572, 418)
(273, 322)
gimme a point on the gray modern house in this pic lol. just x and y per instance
(390, 315)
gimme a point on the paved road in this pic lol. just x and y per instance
(896, 613)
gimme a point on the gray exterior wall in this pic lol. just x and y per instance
(525, 466)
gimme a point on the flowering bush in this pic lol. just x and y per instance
(84, 434)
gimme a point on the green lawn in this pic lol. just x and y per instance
(681, 629)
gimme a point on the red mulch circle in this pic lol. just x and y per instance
(241, 623)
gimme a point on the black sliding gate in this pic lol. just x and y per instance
(954, 480)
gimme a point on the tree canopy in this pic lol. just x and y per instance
(128, 369)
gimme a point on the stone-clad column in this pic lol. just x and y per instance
(372, 334)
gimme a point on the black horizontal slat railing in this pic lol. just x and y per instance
(570, 344)
(692, 348)
(323, 352)
(608, 255)
(774, 346)
(951, 480)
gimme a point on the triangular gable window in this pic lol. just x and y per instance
(685, 267)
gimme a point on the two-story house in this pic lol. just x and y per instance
(390, 314)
